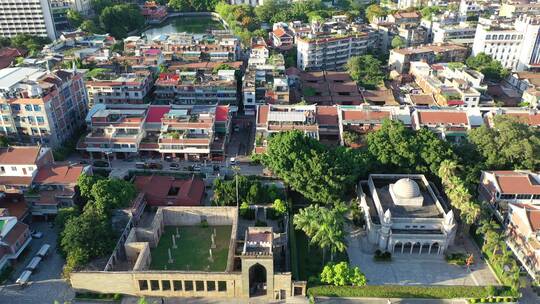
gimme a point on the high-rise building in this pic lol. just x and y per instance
(516, 45)
(37, 106)
(32, 17)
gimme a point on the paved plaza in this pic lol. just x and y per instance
(415, 269)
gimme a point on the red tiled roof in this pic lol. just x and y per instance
(8, 55)
(263, 115)
(530, 119)
(156, 189)
(280, 32)
(365, 115)
(15, 233)
(156, 113)
(442, 117)
(222, 113)
(19, 155)
(511, 182)
(15, 204)
(327, 115)
(16, 180)
(59, 174)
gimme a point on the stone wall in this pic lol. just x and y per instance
(162, 283)
(191, 216)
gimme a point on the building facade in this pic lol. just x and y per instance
(33, 17)
(515, 44)
(130, 88)
(40, 107)
(405, 214)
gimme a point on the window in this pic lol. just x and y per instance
(199, 285)
(222, 286)
(210, 285)
(523, 196)
(188, 285)
(28, 107)
(40, 119)
(15, 107)
(143, 285)
(166, 285)
(488, 37)
(177, 285)
(536, 196)
(37, 108)
(507, 196)
(14, 169)
(154, 284)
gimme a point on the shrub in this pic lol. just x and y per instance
(246, 212)
(382, 256)
(398, 291)
(472, 300)
(204, 223)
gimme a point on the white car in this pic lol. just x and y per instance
(232, 161)
(37, 235)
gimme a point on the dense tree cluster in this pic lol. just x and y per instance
(342, 274)
(366, 70)
(33, 44)
(193, 5)
(492, 69)
(108, 14)
(511, 144)
(319, 173)
(251, 191)
(88, 234)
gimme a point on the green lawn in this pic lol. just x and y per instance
(192, 252)
(310, 261)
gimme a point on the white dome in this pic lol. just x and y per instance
(406, 188)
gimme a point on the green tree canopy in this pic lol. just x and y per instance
(193, 5)
(511, 144)
(319, 173)
(89, 234)
(74, 17)
(112, 193)
(373, 11)
(398, 42)
(366, 70)
(397, 147)
(4, 141)
(341, 274)
(429, 11)
(129, 14)
(492, 69)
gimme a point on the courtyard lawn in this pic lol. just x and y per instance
(193, 249)
(310, 260)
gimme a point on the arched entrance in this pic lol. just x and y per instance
(257, 280)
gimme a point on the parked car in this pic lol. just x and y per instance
(236, 128)
(197, 168)
(174, 166)
(101, 164)
(157, 166)
(37, 235)
(140, 165)
(232, 161)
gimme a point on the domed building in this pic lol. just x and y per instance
(406, 214)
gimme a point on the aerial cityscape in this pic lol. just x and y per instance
(269, 151)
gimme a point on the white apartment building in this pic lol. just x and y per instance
(516, 45)
(248, 2)
(462, 32)
(32, 17)
(405, 4)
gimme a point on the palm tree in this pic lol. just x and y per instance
(330, 233)
(447, 170)
(307, 220)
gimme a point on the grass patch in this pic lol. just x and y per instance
(310, 260)
(193, 249)
(396, 291)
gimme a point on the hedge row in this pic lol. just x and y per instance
(396, 291)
